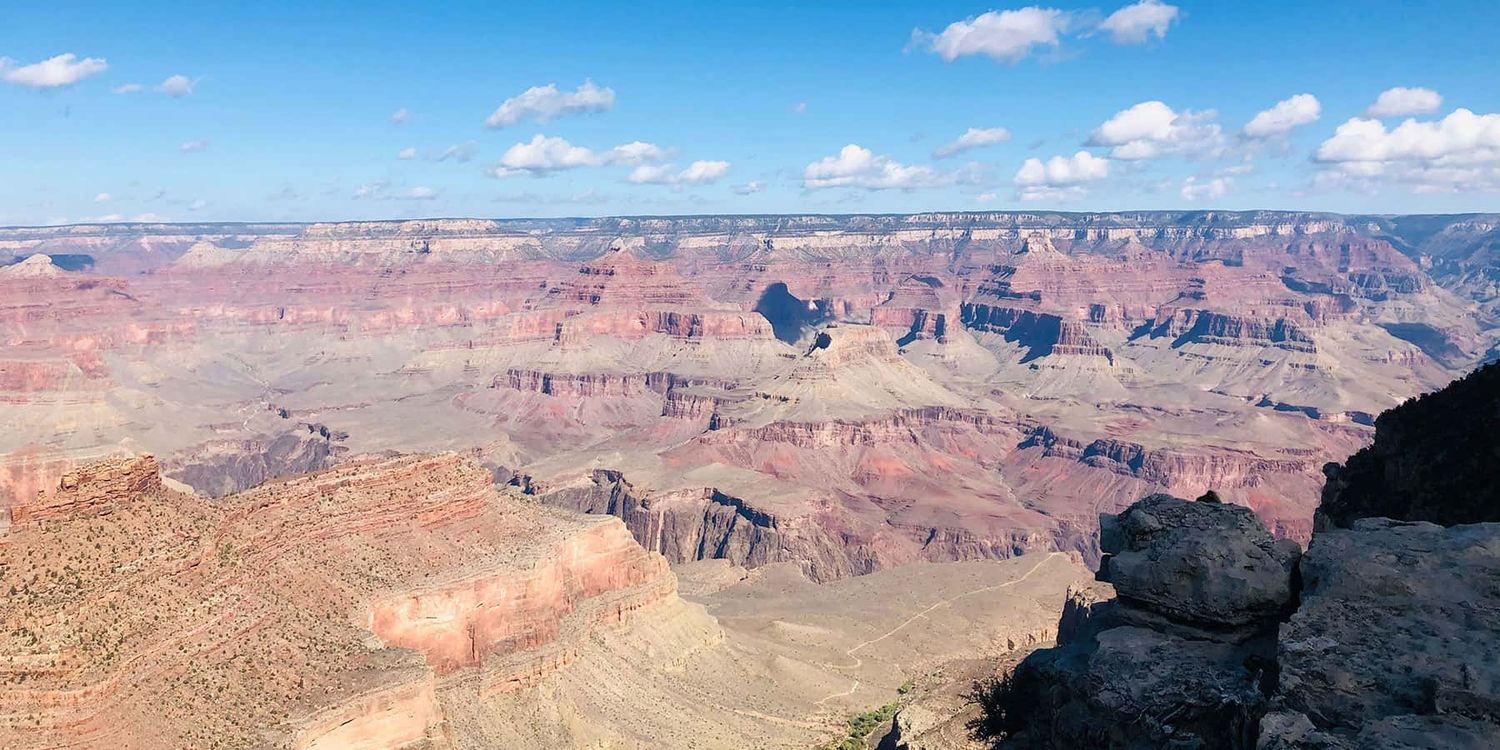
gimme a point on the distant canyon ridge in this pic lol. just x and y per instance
(847, 393)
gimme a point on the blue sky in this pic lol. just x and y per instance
(284, 111)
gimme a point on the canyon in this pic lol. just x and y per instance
(846, 393)
(655, 481)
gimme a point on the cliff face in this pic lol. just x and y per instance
(1385, 634)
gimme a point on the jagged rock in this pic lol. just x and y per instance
(1202, 563)
(1426, 462)
(1398, 635)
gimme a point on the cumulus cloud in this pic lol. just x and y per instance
(1401, 100)
(1286, 115)
(1194, 189)
(406, 153)
(971, 139)
(749, 188)
(544, 154)
(697, 173)
(1006, 35)
(63, 70)
(1459, 152)
(1059, 178)
(543, 104)
(1152, 129)
(1135, 24)
(400, 116)
(177, 86)
(193, 146)
(856, 166)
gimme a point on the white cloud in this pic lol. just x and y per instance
(1459, 152)
(987, 197)
(1283, 117)
(1059, 178)
(800, 108)
(177, 86)
(544, 154)
(128, 88)
(460, 152)
(1007, 35)
(63, 70)
(400, 116)
(972, 138)
(638, 152)
(1151, 129)
(198, 205)
(103, 198)
(1195, 190)
(193, 146)
(543, 104)
(702, 172)
(406, 153)
(1401, 100)
(1135, 24)
(749, 188)
(697, 173)
(418, 193)
(856, 166)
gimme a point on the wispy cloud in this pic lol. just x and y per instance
(543, 104)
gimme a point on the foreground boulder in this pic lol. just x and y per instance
(1203, 563)
(1181, 658)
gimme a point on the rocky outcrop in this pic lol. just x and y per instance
(1384, 634)
(1194, 326)
(1426, 461)
(91, 489)
(1043, 334)
(1396, 642)
(1181, 658)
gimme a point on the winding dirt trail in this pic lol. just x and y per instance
(858, 662)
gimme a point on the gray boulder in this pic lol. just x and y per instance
(1200, 563)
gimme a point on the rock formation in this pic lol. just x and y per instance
(1384, 634)
(993, 381)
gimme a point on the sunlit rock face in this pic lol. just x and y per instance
(332, 610)
(869, 390)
